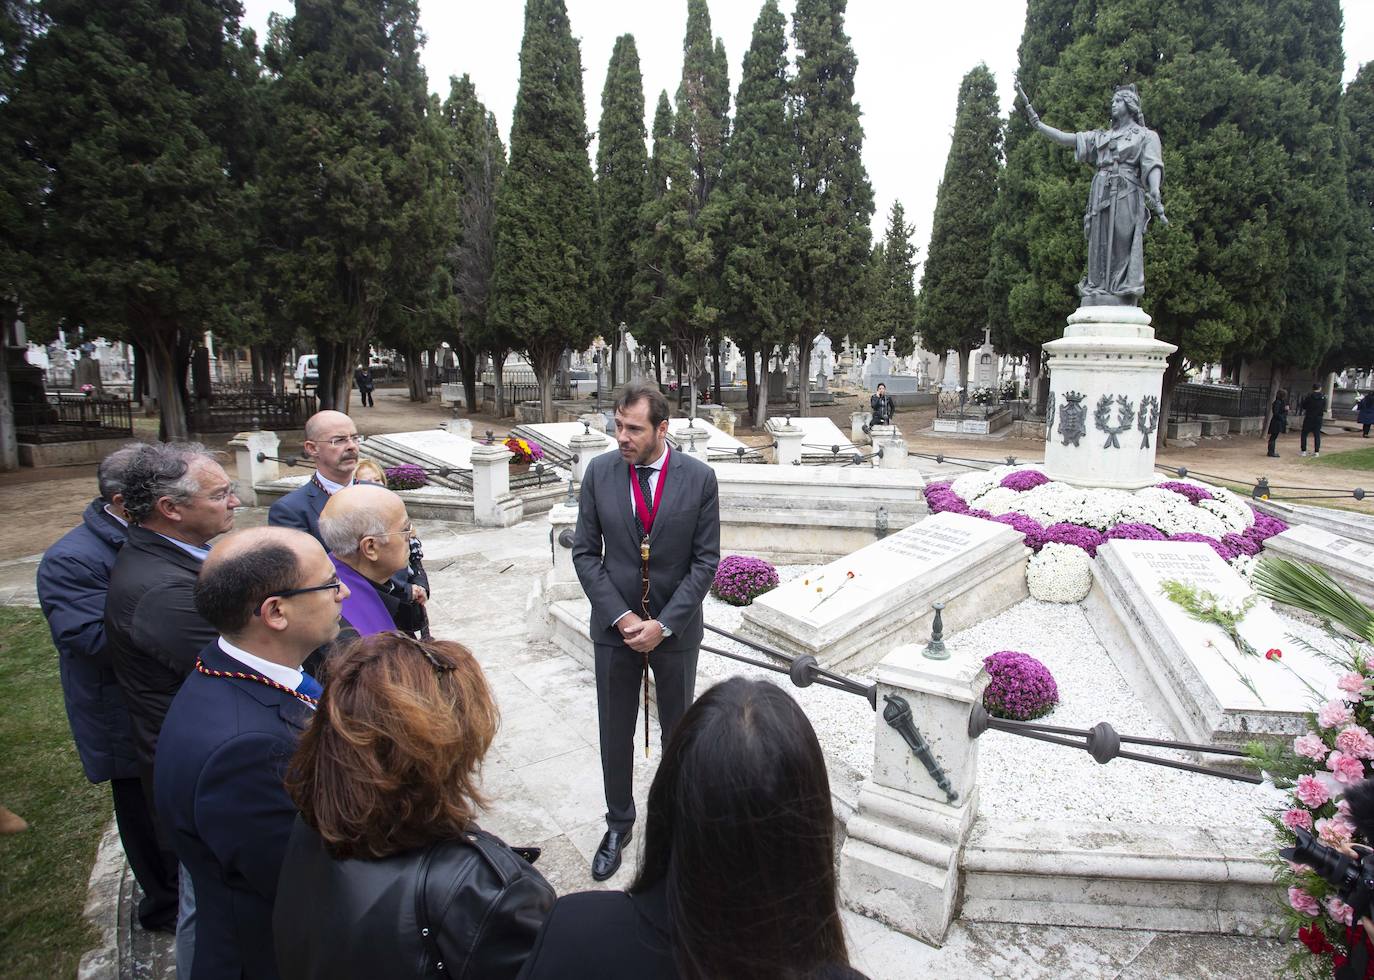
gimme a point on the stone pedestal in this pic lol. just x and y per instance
(560, 581)
(900, 860)
(857, 421)
(585, 447)
(693, 439)
(725, 421)
(789, 439)
(1105, 375)
(894, 453)
(493, 505)
(246, 446)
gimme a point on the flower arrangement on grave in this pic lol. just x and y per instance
(1207, 607)
(740, 580)
(1019, 686)
(983, 396)
(407, 476)
(1023, 480)
(1011, 388)
(88, 390)
(1335, 752)
(1059, 573)
(524, 451)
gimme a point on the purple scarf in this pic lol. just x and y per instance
(363, 609)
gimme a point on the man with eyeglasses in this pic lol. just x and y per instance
(367, 532)
(333, 442)
(177, 499)
(272, 596)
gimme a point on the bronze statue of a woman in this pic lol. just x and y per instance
(1130, 169)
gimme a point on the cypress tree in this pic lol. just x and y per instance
(834, 202)
(546, 232)
(894, 303)
(622, 164)
(1357, 342)
(479, 159)
(754, 206)
(131, 112)
(953, 286)
(354, 173)
(664, 235)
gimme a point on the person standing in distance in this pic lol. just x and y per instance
(1313, 411)
(884, 409)
(645, 511)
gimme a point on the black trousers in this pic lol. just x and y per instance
(138, 834)
(1316, 434)
(1273, 440)
(366, 396)
(619, 703)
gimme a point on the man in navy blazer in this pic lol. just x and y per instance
(333, 442)
(644, 491)
(273, 595)
(73, 579)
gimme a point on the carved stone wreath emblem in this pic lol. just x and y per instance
(1049, 418)
(1149, 405)
(1073, 418)
(1102, 418)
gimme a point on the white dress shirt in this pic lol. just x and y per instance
(330, 487)
(283, 675)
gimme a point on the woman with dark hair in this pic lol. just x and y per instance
(387, 873)
(737, 877)
(1278, 420)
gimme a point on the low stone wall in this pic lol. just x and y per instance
(1184, 434)
(1026, 429)
(69, 453)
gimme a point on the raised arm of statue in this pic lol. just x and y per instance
(1060, 137)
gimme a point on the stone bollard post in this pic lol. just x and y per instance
(726, 420)
(789, 439)
(246, 446)
(458, 427)
(900, 860)
(857, 421)
(560, 581)
(693, 440)
(894, 453)
(493, 505)
(586, 446)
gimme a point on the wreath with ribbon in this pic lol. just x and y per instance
(1149, 404)
(1049, 419)
(1102, 417)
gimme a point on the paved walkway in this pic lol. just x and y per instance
(544, 780)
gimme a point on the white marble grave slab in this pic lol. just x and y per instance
(975, 567)
(717, 442)
(1189, 671)
(1348, 560)
(429, 447)
(554, 435)
(818, 434)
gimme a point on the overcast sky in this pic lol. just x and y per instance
(912, 57)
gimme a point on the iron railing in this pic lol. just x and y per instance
(238, 412)
(73, 418)
(1192, 399)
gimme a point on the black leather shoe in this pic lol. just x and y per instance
(606, 861)
(1273, 455)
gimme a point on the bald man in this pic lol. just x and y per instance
(367, 531)
(274, 597)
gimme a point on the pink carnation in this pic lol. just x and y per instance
(1343, 807)
(1333, 714)
(1351, 683)
(1355, 741)
(1347, 769)
(1335, 831)
(1303, 902)
(1340, 911)
(1311, 792)
(1295, 818)
(1310, 745)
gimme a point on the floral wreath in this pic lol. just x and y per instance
(1102, 418)
(1148, 404)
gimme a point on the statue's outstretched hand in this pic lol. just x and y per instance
(1157, 206)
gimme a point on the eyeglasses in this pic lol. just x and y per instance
(338, 442)
(220, 496)
(333, 583)
(408, 531)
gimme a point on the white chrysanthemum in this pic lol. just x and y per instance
(975, 483)
(996, 501)
(1059, 573)
(1245, 566)
(1232, 511)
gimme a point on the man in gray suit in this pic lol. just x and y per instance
(646, 512)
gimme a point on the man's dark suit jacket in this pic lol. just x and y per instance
(153, 630)
(301, 508)
(220, 796)
(684, 548)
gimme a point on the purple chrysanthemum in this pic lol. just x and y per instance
(1019, 686)
(740, 580)
(1226, 552)
(1023, 480)
(940, 497)
(1028, 526)
(1077, 535)
(1189, 490)
(1136, 532)
(407, 476)
(1241, 544)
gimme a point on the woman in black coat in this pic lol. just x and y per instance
(387, 873)
(738, 874)
(1278, 420)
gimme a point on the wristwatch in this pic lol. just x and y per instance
(665, 629)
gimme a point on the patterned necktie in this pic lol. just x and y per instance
(642, 474)
(309, 686)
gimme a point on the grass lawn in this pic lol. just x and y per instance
(44, 870)
(1353, 459)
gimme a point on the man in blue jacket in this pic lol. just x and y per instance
(274, 597)
(72, 581)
